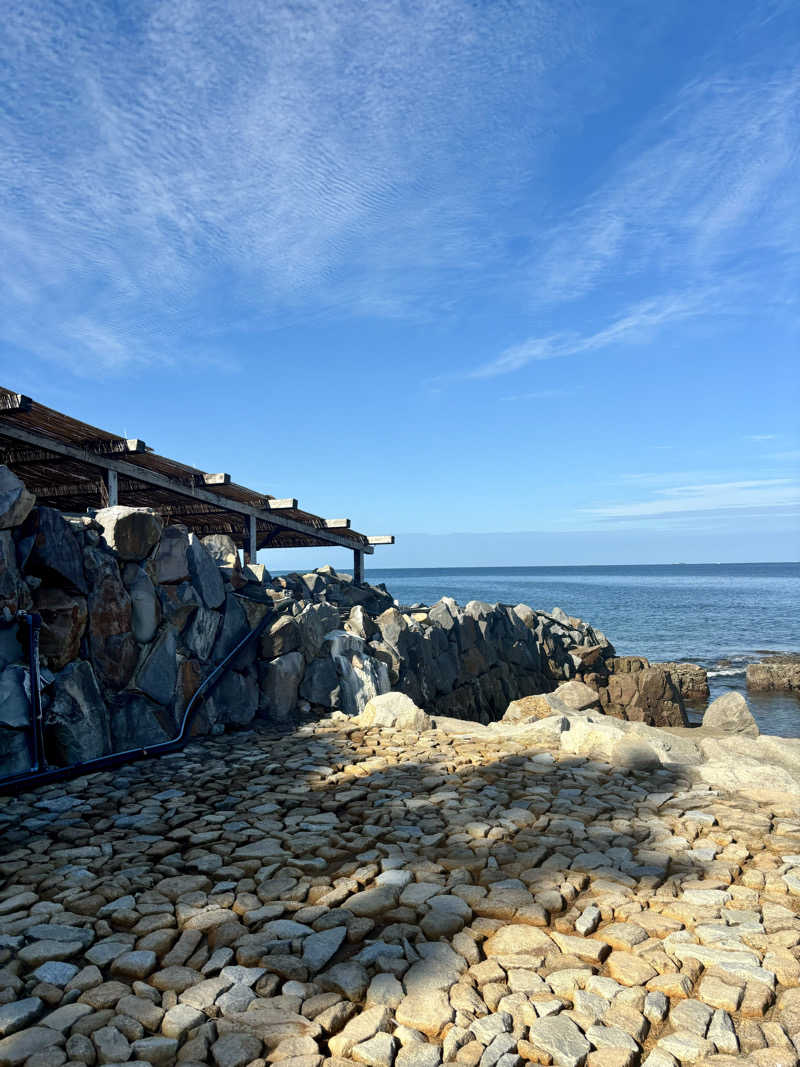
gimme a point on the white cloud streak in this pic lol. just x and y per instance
(162, 166)
(769, 493)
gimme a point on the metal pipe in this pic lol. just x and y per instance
(35, 776)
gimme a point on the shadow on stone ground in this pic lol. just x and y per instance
(386, 898)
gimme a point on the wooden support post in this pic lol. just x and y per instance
(358, 566)
(109, 492)
(251, 548)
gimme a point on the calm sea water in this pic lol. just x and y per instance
(721, 616)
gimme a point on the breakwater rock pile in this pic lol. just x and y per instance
(136, 615)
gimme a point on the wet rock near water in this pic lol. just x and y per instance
(779, 672)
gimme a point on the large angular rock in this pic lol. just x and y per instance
(15, 716)
(178, 603)
(690, 678)
(224, 552)
(55, 554)
(15, 698)
(394, 710)
(13, 643)
(780, 672)
(204, 573)
(202, 632)
(137, 722)
(279, 684)
(234, 699)
(171, 557)
(112, 645)
(320, 683)
(647, 695)
(561, 1039)
(573, 696)
(361, 679)
(158, 673)
(282, 636)
(10, 578)
(529, 708)
(315, 621)
(731, 715)
(77, 719)
(234, 628)
(145, 604)
(64, 617)
(15, 500)
(133, 533)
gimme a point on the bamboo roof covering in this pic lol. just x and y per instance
(73, 466)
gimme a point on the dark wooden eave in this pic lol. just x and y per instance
(73, 466)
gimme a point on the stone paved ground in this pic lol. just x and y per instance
(347, 895)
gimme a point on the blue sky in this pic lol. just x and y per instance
(527, 269)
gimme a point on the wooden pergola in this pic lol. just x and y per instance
(72, 466)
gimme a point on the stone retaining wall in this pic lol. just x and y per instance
(137, 614)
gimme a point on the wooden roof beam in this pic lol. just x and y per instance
(15, 402)
(162, 481)
(336, 524)
(47, 455)
(381, 539)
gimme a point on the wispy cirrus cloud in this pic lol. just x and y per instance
(634, 324)
(763, 493)
(708, 176)
(194, 163)
(700, 209)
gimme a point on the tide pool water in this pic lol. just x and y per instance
(721, 616)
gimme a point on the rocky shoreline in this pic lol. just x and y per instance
(408, 837)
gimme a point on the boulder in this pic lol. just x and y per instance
(282, 636)
(223, 550)
(145, 604)
(764, 768)
(77, 720)
(775, 672)
(158, 673)
(10, 578)
(132, 533)
(573, 696)
(15, 698)
(361, 678)
(202, 632)
(178, 603)
(627, 744)
(204, 573)
(280, 680)
(690, 678)
(113, 648)
(527, 708)
(13, 643)
(730, 714)
(646, 695)
(171, 556)
(234, 628)
(320, 683)
(234, 699)
(15, 500)
(137, 722)
(64, 617)
(14, 752)
(394, 710)
(55, 553)
(315, 621)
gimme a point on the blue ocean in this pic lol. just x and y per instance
(722, 616)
